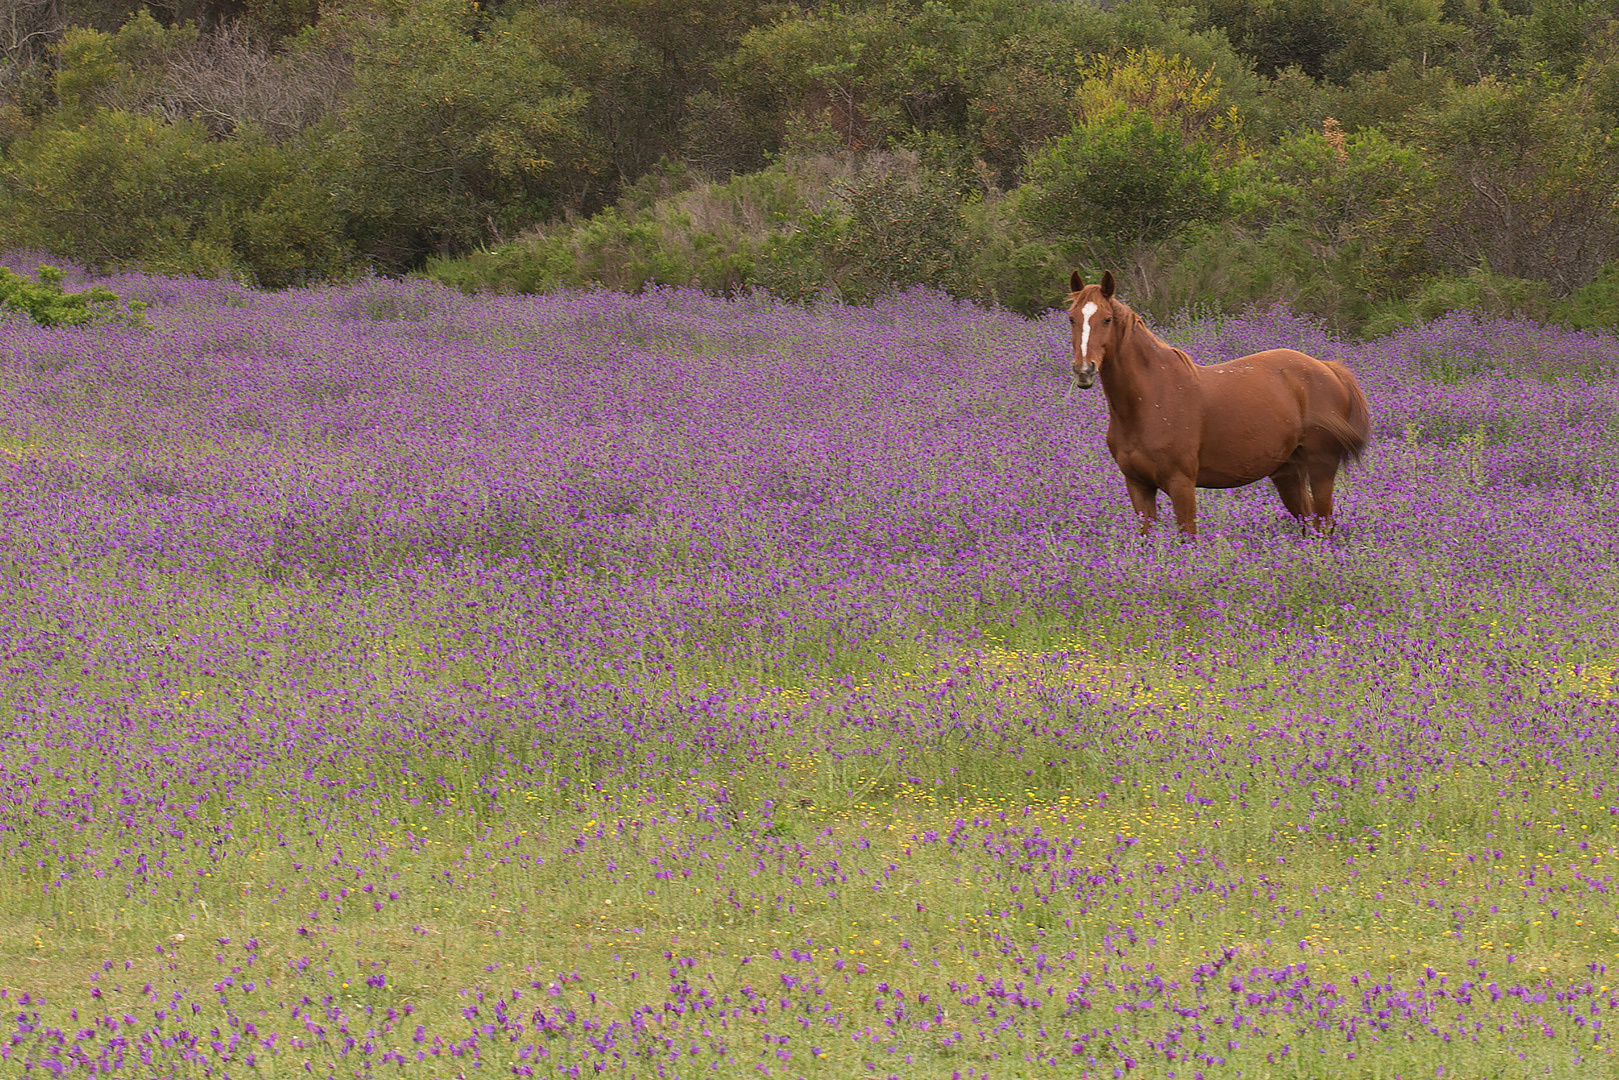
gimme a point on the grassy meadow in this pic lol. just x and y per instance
(400, 684)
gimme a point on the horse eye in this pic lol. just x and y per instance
(1107, 320)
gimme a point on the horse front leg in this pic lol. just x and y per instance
(1144, 497)
(1183, 496)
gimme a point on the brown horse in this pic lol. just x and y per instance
(1174, 426)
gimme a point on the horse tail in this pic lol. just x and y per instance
(1351, 428)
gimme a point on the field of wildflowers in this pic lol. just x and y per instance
(401, 684)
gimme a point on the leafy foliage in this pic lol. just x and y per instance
(1121, 182)
(1330, 223)
(1346, 157)
(1535, 181)
(123, 189)
(710, 235)
(455, 122)
(901, 231)
(997, 75)
(1169, 89)
(118, 71)
(1596, 304)
(1329, 39)
(47, 303)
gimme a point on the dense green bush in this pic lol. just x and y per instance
(1330, 224)
(276, 216)
(1533, 181)
(892, 229)
(900, 228)
(48, 304)
(456, 126)
(695, 233)
(996, 75)
(1594, 305)
(1121, 183)
(1480, 289)
(125, 70)
(1332, 40)
(118, 189)
(121, 189)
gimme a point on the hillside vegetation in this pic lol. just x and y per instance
(1371, 163)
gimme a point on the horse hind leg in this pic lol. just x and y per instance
(1292, 485)
(1323, 475)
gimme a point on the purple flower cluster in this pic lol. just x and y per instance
(399, 683)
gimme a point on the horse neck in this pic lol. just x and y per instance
(1142, 369)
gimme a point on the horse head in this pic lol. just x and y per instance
(1096, 326)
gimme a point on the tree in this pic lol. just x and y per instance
(1168, 89)
(1560, 34)
(457, 130)
(642, 62)
(874, 77)
(904, 228)
(1332, 220)
(124, 70)
(1121, 182)
(1534, 181)
(1280, 34)
(122, 189)
(630, 126)
(1331, 39)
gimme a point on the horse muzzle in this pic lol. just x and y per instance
(1084, 376)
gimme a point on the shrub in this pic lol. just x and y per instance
(1009, 267)
(903, 228)
(794, 263)
(615, 248)
(1594, 306)
(117, 190)
(48, 304)
(717, 236)
(1169, 89)
(122, 189)
(1120, 183)
(125, 70)
(1479, 290)
(1534, 182)
(457, 128)
(274, 212)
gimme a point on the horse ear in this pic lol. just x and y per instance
(1075, 282)
(1107, 284)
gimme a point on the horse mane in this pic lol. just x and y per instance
(1138, 323)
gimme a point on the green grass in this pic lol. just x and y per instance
(540, 878)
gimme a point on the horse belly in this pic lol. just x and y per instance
(1230, 478)
(1251, 427)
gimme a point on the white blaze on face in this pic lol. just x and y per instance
(1085, 314)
